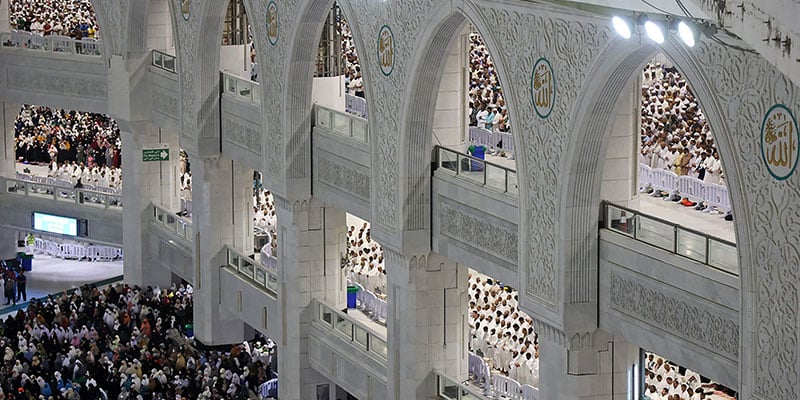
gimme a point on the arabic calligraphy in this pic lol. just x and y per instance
(386, 50)
(272, 23)
(186, 9)
(543, 88)
(779, 142)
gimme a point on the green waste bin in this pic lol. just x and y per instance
(189, 330)
(352, 293)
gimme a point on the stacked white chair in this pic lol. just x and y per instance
(506, 387)
(686, 186)
(530, 393)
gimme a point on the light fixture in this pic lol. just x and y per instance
(654, 31)
(687, 34)
(622, 26)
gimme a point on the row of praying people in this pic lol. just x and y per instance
(74, 18)
(664, 380)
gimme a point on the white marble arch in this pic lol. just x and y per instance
(294, 112)
(445, 23)
(735, 90)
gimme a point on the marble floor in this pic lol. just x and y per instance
(53, 275)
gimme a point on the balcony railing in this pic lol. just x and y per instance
(52, 43)
(63, 193)
(449, 389)
(697, 246)
(350, 329)
(476, 170)
(241, 89)
(164, 61)
(265, 278)
(180, 226)
(341, 123)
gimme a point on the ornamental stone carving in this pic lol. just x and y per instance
(165, 103)
(46, 81)
(465, 225)
(571, 45)
(344, 178)
(243, 136)
(675, 315)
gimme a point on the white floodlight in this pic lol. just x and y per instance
(622, 26)
(654, 31)
(687, 34)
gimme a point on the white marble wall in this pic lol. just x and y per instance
(4, 18)
(8, 155)
(311, 238)
(159, 26)
(450, 117)
(426, 322)
(621, 162)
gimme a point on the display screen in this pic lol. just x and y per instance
(55, 224)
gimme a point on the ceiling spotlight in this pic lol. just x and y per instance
(687, 34)
(654, 31)
(622, 26)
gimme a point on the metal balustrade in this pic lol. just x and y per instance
(62, 191)
(697, 246)
(164, 61)
(241, 88)
(172, 222)
(264, 277)
(448, 389)
(52, 43)
(476, 170)
(341, 123)
(350, 329)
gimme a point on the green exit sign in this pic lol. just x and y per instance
(155, 155)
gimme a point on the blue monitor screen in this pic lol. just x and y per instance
(55, 224)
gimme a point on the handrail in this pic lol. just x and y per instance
(476, 170)
(360, 335)
(180, 226)
(52, 43)
(164, 61)
(264, 277)
(341, 123)
(713, 251)
(448, 389)
(240, 88)
(60, 193)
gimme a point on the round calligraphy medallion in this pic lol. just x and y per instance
(186, 9)
(386, 50)
(543, 88)
(780, 142)
(272, 22)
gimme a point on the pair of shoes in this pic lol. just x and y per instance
(729, 216)
(675, 198)
(657, 193)
(688, 203)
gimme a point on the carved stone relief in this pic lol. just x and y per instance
(45, 81)
(467, 226)
(165, 103)
(344, 178)
(242, 135)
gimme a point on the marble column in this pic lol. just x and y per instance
(311, 240)
(8, 156)
(426, 322)
(220, 207)
(144, 183)
(596, 368)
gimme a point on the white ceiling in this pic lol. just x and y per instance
(668, 6)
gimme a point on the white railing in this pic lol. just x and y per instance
(241, 89)
(181, 227)
(367, 301)
(476, 170)
(350, 329)
(61, 190)
(483, 385)
(164, 61)
(686, 186)
(265, 278)
(76, 251)
(52, 43)
(502, 141)
(341, 123)
(355, 105)
(714, 252)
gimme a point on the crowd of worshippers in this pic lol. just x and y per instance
(73, 18)
(487, 106)
(122, 342)
(364, 262)
(675, 134)
(500, 332)
(75, 144)
(666, 381)
(353, 80)
(264, 216)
